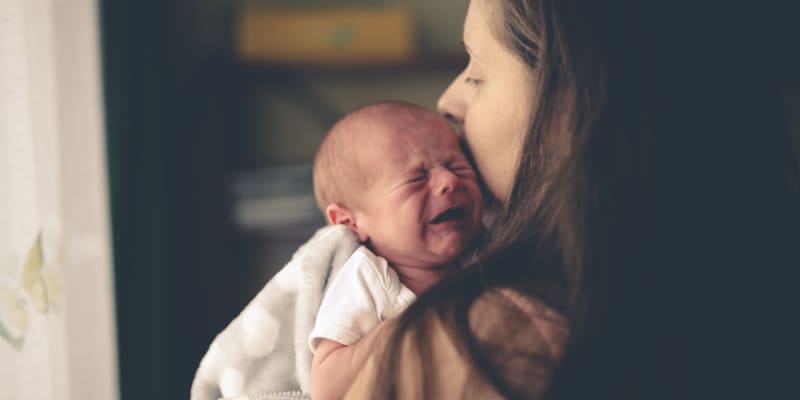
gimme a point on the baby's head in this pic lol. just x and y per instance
(394, 174)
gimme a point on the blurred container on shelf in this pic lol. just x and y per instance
(277, 202)
(328, 36)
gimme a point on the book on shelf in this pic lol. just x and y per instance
(331, 35)
(277, 201)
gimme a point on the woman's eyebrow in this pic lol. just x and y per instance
(466, 46)
(470, 51)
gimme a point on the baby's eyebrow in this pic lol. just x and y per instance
(414, 168)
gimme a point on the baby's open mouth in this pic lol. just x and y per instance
(453, 214)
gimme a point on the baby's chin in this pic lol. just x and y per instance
(449, 250)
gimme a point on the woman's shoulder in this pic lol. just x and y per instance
(514, 317)
(518, 337)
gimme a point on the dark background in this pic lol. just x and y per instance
(176, 250)
(184, 119)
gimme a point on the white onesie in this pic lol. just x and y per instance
(364, 292)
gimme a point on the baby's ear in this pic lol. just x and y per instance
(338, 214)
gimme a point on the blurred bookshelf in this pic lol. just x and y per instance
(210, 156)
(322, 61)
(422, 63)
(303, 67)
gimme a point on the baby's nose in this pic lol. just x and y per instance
(446, 181)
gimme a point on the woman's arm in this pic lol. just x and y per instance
(335, 365)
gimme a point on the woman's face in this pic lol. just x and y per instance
(490, 101)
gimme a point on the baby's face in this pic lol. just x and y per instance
(423, 208)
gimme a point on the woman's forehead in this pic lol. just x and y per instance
(478, 36)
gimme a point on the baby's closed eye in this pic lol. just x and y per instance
(461, 168)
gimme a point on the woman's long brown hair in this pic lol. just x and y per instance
(657, 194)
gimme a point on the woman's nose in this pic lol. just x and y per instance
(452, 103)
(445, 181)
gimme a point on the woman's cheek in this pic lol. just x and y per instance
(489, 165)
(475, 145)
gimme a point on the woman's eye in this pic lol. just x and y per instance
(472, 81)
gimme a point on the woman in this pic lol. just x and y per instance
(649, 199)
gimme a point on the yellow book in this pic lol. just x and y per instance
(327, 36)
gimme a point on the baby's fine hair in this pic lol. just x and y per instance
(338, 170)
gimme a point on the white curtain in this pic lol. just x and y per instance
(57, 338)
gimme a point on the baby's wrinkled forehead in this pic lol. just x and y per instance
(399, 124)
(404, 144)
